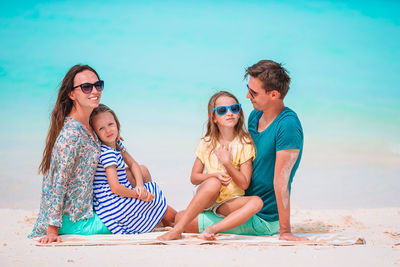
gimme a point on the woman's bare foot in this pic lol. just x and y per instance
(207, 234)
(171, 235)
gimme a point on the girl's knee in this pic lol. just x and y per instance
(256, 203)
(214, 182)
(145, 173)
(211, 184)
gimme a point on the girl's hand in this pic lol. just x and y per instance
(149, 197)
(143, 194)
(223, 177)
(140, 190)
(49, 238)
(224, 154)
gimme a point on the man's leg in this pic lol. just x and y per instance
(206, 195)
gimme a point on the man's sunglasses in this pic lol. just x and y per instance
(222, 110)
(88, 87)
(251, 92)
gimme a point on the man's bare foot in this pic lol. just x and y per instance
(207, 234)
(291, 237)
(171, 235)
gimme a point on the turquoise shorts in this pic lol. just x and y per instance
(254, 226)
(91, 226)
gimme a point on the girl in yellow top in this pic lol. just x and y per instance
(226, 151)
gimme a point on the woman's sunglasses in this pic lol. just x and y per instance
(88, 87)
(222, 110)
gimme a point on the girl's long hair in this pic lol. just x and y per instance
(61, 109)
(103, 108)
(212, 134)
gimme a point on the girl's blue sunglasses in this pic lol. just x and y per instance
(222, 110)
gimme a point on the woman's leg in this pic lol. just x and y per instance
(206, 195)
(237, 212)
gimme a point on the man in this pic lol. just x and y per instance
(278, 136)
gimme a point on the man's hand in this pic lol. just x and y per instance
(291, 237)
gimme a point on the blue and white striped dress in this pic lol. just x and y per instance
(124, 215)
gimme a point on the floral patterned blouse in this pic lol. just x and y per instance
(67, 188)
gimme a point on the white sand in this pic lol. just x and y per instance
(379, 227)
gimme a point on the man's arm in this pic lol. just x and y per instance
(285, 160)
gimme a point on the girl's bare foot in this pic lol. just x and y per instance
(171, 235)
(207, 234)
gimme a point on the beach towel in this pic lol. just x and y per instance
(322, 239)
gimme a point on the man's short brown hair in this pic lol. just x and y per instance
(272, 75)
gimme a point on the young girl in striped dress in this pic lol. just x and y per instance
(122, 201)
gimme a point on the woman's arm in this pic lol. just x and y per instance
(241, 177)
(61, 168)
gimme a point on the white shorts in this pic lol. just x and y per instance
(216, 205)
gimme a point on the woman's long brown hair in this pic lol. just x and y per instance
(61, 109)
(212, 134)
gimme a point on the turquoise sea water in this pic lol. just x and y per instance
(161, 61)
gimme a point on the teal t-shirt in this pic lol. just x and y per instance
(285, 132)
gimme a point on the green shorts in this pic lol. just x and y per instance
(254, 226)
(91, 226)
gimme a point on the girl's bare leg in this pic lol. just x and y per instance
(191, 227)
(237, 212)
(205, 196)
(145, 174)
(169, 216)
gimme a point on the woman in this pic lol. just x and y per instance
(70, 159)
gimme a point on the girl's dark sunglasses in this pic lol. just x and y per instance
(222, 110)
(88, 87)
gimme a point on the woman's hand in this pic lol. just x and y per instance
(224, 154)
(52, 235)
(223, 177)
(49, 238)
